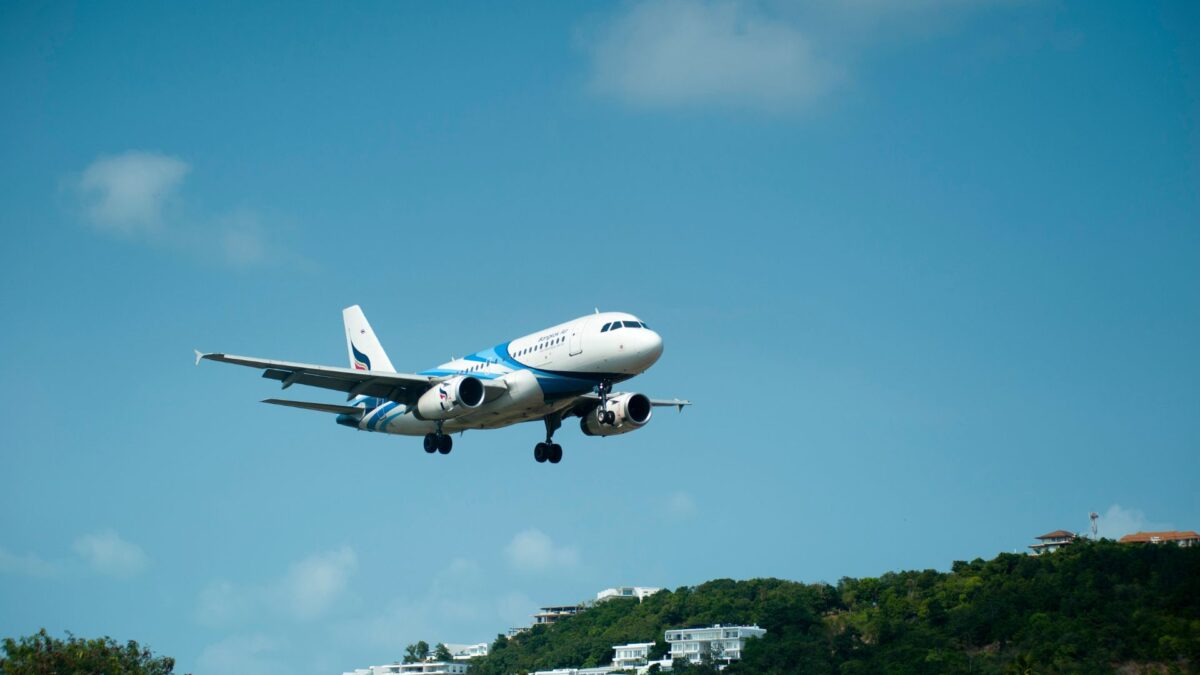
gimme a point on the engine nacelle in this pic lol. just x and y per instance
(452, 398)
(632, 411)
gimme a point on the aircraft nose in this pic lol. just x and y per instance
(652, 347)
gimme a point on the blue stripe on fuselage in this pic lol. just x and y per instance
(554, 383)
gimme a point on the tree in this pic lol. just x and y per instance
(442, 653)
(417, 652)
(40, 653)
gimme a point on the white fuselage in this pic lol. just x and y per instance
(542, 373)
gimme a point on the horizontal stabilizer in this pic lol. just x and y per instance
(320, 407)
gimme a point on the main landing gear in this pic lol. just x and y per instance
(549, 451)
(438, 442)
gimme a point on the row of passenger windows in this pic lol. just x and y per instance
(539, 347)
(617, 324)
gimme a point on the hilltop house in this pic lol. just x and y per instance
(1052, 541)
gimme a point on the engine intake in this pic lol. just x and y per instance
(632, 411)
(455, 397)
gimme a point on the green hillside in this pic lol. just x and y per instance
(1092, 607)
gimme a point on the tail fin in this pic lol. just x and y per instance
(362, 345)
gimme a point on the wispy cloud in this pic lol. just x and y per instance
(1118, 521)
(680, 505)
(28, 565)
(664, 53)
(312, 585)
(306, 591)
(107, 553)
(457, 595)
(137, 195)
(533, 551)
(749, 54)
(127, 193)
(241, 654)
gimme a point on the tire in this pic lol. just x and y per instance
(555, 453)
(445, 444)
(539, 452)
(431, 443)
(610, 417)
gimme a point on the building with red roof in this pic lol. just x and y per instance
(1187, 538)
(1052, 541)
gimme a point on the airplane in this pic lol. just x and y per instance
(562, 371)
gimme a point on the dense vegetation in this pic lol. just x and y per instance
(42, 654)
(1091, 607)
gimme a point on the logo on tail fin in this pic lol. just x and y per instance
(361, 362)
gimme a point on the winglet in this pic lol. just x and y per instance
(199, 355)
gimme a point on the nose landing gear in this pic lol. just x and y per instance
(603, 414)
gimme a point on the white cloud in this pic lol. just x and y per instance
(221, 603)
(107, 553)
(515, 608)
(756, 54)
(127, 193)
(132, 194)
(663, 53)
(242, 243)
(306, 591)
(238, 655)
(313, 584)
(533, 551)
(681, 505)
(1117, 522)
(28, 565)
(456, 596)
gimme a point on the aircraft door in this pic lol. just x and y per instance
(576, 341)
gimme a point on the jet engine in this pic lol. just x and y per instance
(630, 411)
(455, 397)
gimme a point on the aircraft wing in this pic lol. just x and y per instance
(399, 387)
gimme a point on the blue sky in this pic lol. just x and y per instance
(930, 272)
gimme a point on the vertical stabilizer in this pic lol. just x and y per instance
(363, 347)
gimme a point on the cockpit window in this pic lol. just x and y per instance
(606, 327)
(616, 325)
(632, 324)
(645, 326)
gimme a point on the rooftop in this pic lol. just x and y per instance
(1155, 537)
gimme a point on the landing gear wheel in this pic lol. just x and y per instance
(555, 453)
(444, 444)
(610, 417)
(431, 443)
(540, 452)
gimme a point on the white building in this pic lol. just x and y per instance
(1052, 541)
(420, 668)
(554, 613)
(724, 643)
(467, 652)
(433, 668)
(639, 592)
(600, 670)
(631, 655)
